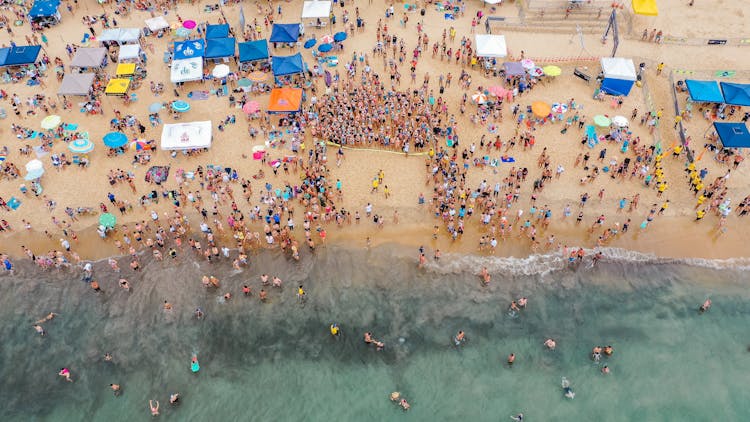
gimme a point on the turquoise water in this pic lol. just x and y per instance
(276, 361)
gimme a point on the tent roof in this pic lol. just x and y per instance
(217, 31)
(284, 32)
(736, 94)
(129, 52)
(219, 47)
(316, 9)
(120, 35)
(189, 48)
(76, 84)
(285, 100)
(157, 23)
(514, 69)
(287, 65)
(42, 8)
(733, 134)
(253, 50)
(125, 69)
(704, 91)
(19, 55)
(489, 45)
(189, 135)
(618, 68)
(645, 7)
(117, 86)
(186, 70)
(89, 57)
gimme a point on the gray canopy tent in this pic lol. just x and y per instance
(86, 58)
(76, 84)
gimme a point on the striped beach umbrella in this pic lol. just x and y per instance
(81, 146)
(180, 106)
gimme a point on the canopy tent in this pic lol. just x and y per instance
(217, 48)
(76, 84)
(253, 50)
(89, 57)
(120, 35)
(190, 135)
(645, 7)
(125, 69)
(704, 91)
(19, 55)
(117, 86)
(43, 10)
(736, 94)
(733, 134)
(514, 69)
(189, 49)
(489, 45)
(285, 100)
(287, 65)
(316, 9)
(186, 70)
(284, 32)
(217, 31)
(619, 75)
(157, 23)
(129, 52)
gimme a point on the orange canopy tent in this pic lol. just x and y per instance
(285, 100)
(645, 7)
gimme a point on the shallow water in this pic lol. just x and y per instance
(276, 361)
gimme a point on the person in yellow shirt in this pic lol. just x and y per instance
(699, 215)
(375, 185)
(701, 200)
(662, 187)
(676, 151)
(386, 191)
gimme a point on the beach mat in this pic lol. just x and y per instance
(198, 95)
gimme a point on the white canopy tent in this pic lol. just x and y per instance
(157, 23)
(120, 35)
(190, 135)
(316, 9)
(489, 45)
(186, 70)
(129, 52)
(618, 68)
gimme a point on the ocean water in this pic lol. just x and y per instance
(277, 361)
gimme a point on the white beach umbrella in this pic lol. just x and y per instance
(220, 71)
(620, 121)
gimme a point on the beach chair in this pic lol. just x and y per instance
(76, 160)
(133, 97)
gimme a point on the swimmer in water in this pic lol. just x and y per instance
(368, 337)
(335, 330)
(115, 389)
(404, 404)
(605, 370)
(566, 388)
(49, 317)
(550, 343)
(174, 398)
(39, 329)
(65, 373)
(198, 313)
(706, 306)
(108, 357)
(460, 338)
(514, 306)
(596, 353)
(522, 302)
(276, 282)
(124, 284)
(154, 409)
(486, 278)
(301, 293)
(227, 296)
(608, 350)
(511, 359)
(264, 279)
(246, 290)
(263, 295)
(518, 417)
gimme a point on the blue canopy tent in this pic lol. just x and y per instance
(45, 10)
(284, 32)
(619, 75)
(189, 49)
(19, 55)
(704, 91)
(736, 94)
(253, 50)
(733, 134)
(217, 31)
(287, 65)
(217, 48)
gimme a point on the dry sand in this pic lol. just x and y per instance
(674, 234)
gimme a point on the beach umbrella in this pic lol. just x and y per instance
(620, 121)
(326, 39)
(182, 32)
(552, 70)
(180, 106)
(251, 107)
(324, 48)
(51, 121)
(310, 43)
(115, 139)
(536, 71)
(220, 71)
(107, 220)
(257, 76)
(34, 169)
(602, 121)
(497, 90)
(244, 82)
(139, 145)
(155, 107)
(479, 98)
(559, 108)
(81, 146)
(189, 24)
(527, 63)
(540, 109)
(339, 36)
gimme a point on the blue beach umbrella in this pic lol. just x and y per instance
(339, 36)
(115, 139)
(81, 146)
(155, 107)
(180, 106)
(324, 48)
(310, 43)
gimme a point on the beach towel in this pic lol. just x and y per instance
(14, 203)
(198, 95)
(39, 151)
(449, 16)
(508, 159)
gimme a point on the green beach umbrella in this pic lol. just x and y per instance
(244, 82)
(107, 220)
(602, 121)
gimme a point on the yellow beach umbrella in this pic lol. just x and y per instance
(51, 121)
(551, 70)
